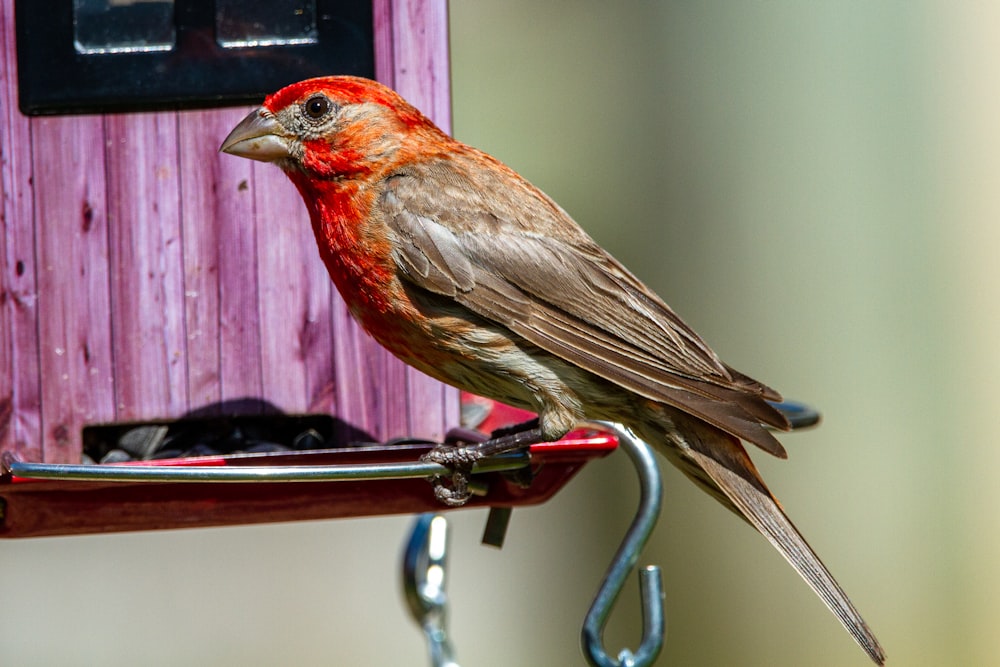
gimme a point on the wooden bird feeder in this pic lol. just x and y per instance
(160, 297)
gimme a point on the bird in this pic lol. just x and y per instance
(466, 271)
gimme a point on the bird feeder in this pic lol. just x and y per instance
(164, 306)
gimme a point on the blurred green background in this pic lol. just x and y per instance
(814, 188)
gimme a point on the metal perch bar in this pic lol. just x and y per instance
(330, 473)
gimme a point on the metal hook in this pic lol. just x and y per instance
(424, 568)
(650, 582)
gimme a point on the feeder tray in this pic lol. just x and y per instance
(334, 482)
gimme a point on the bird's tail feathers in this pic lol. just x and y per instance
(720, 465)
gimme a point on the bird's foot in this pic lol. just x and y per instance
(458, 454)
(463, 448)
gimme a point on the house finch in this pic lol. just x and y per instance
(463, 269)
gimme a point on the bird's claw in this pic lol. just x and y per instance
(459, 455)
(452, 491)
(463, 448)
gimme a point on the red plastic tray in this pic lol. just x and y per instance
(35, 507)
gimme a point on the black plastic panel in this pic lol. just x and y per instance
(57, 76)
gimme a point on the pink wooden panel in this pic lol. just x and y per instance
(74, 326)
(220, 285)
(359, 367)
(412, 54)
(143, 274)
(147, 276)
(20, 386)
(295, 299)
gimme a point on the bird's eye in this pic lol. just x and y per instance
(317, 106)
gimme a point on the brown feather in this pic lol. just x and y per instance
(719, 464)
(569, 297)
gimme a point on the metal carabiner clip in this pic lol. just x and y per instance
(424, 574)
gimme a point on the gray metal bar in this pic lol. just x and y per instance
(326, 473)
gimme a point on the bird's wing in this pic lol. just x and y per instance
(560, 291)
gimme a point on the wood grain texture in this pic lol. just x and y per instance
(216, 219)
(358, 366)
(20, 379)
(74, 324)
(144, 275)
(295, 299)
(147, 277)
(419, 68)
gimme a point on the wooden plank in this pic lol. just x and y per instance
(295, 299)
(147, 276)
(358, 377)
(220, 294)
(74, 331)
(239, 313)
(20, 387)
(420, 71)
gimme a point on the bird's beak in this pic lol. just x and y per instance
(258, 137)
